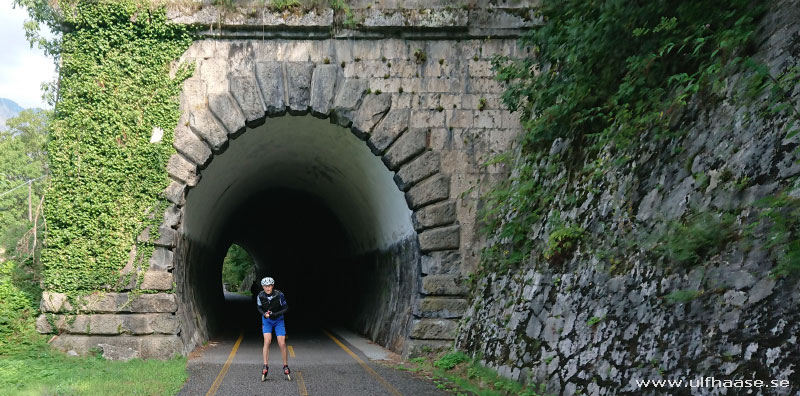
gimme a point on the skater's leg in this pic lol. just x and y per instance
(265, 352)
(282, 344)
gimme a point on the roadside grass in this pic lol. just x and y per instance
(461, 375)
(49, 372)
(29, 367)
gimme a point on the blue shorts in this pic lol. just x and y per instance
(268, 325)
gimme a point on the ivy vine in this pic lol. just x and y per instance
(108, 177)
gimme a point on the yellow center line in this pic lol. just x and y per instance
(291, 351)
(301, 386)
(221, 375)
(369, 369)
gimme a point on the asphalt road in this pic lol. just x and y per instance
(324, 364)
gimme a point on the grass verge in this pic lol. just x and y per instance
(29, 367)
(47, 372)
(461, 375)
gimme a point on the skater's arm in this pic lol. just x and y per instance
(284, 307)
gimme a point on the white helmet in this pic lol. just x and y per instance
(267, 281)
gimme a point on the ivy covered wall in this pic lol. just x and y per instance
(110, 141)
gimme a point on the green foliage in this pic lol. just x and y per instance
(45, 372)
(687, 243)
(595, 320)
(107, 178)
(450, 360)
(460, 374)
(605, 76)
(23, 164)
(235, 266)
(562, 242)
(284, 4)
(420, 56)
(19, 306)
(783, 213)
(613, 70)
(682, 296)
(343, 13)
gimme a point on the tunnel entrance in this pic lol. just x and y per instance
(317, 211)
(295, 239)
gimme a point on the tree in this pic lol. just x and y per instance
(235, 267)
(23, 179)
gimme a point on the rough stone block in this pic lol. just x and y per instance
(191, 146)
(244, 88)
(167, 237)
(161, 259)
(43, 325)
(347, 101)
(181, 169)
(393, 125)
(193, 95)
(204, 125)
(443, 238)
(298, 80)
(323, 87)
(116, 324)
(460, 118)
(434, 189)
(227, 112)
(442, 213)
(126, 302)
(175, 193)
(407, 146)
(441, 262)
(157, 280)
(418, 169)
(415, 348)
(172, 217)
(371, 111)
(270, 78)
(443, 285)
(54, 302)
(434, 329)
(122, 347)
(442, 307)
(427, 119)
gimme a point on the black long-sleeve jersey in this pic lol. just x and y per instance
(275, 303)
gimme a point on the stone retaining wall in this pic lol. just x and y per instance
(617, 311)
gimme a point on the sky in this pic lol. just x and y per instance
(22, 69)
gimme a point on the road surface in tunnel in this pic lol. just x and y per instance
(322, 363)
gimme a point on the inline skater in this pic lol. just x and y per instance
(272, 305)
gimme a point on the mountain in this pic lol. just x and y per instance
(8, 109)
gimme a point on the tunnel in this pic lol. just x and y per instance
(318, 212)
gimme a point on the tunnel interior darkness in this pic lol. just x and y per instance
(318, 212)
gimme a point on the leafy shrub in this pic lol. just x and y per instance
(450, 360)
(699, 237)
(783, 212)
(562, 243)
(18, 310)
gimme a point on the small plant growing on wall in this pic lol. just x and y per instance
(562, 243)
(420, 56)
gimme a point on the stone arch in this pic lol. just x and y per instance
(217, 109)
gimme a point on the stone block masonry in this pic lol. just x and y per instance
(398, 90)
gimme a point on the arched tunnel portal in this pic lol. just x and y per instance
(317, 211)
